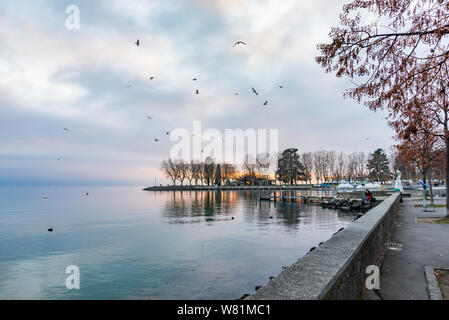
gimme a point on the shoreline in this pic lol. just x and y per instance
(226, 188)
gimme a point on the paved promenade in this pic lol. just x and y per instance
(402, 274)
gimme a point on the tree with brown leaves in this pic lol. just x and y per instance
(397, 61)
(419, 152)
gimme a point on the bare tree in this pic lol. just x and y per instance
(263, 164)
(307, 162)
(329, 164)
(361, 163)
(181, 169)
(196, 167)
(250, 167)
(189, 170)
(339, 168)
(227, 171)
(351, 166)
(319, 159)
(168, 168)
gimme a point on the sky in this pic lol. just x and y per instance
(94, 81)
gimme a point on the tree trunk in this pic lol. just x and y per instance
(424, 181)
(429, 175)
(446, 140)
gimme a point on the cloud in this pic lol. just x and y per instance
(95, 81)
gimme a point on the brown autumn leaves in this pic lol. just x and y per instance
(398, 63)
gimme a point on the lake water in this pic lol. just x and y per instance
(134, 244)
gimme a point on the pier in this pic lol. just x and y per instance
(229, 188)
(290, 195)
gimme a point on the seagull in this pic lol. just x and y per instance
(197, 91)
(156, 139)
(239, 42)
(255, 92)
(151, 118)
(266, 102)
(138, 42)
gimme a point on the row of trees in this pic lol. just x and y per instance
(289, 167)
(196, 172)
(330, 166)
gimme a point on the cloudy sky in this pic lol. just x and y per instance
(54, 78)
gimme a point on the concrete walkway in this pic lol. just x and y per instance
(402, 274)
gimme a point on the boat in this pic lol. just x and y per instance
(345, 187)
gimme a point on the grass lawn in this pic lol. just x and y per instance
(445, 220)
(443, 282)
(434, 220)
(435, 205)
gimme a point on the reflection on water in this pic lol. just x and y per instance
(133, 244)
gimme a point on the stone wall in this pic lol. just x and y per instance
(336, 270)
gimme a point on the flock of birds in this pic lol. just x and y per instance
(197, 92)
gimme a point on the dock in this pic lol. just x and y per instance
(290, 195)
(227, 188)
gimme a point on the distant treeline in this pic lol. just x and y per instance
(288, 167)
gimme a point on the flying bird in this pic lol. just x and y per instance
(50, 230)
(266, 102)
(236, 94)
(138, 42)
(151, 78)
(168, 133)
(255, 92)
(151, 118)
(194, 79)
(239, 42)
(197, 91)
(156, 139)
(282, 87)
(66, 129)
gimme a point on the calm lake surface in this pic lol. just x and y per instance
(134, 244)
